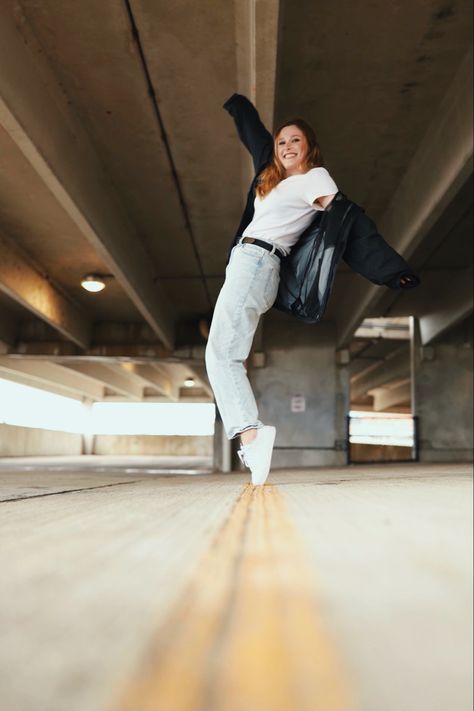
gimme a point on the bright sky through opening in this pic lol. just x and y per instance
(381, 428)
(25, 406)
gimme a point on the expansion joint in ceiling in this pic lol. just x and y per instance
(166, 143)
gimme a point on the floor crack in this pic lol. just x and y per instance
(69, 491)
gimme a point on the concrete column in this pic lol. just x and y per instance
(443, 386)
(303, 392)
(222, 447)
(88, 436)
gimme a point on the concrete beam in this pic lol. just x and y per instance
(36, 114)
(256, 34)
(155, 378)
(245, 45)
(100, 351)
(396, 367)
(8, 331)
(388, 396)
(197, 395)
(23, 283)
(178, 372)
(265, 35)
(138, 352)
(244, 11)
(114, 379)
(390, 328)
(448, 307)
(199, 372)
(50, 376)
(440, 166)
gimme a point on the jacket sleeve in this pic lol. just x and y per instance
(252, 132)
(368, 254)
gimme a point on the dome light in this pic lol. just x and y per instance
(189, 382)
(93, 282)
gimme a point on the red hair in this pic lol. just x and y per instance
(275, 172)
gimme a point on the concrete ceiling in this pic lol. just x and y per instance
(116, 158)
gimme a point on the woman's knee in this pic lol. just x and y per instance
(216, 355)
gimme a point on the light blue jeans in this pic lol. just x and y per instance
(250, 288)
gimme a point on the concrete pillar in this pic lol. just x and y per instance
(87, 435)
(303, 391)
(222, 447)
(442, 388)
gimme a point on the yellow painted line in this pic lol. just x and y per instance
(246, 635)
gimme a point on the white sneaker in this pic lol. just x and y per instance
(257, 455)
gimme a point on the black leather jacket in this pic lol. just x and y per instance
(343, 230)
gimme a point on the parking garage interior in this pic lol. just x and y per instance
(139, 567)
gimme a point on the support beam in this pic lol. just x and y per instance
(36, 114)
(390, 328)
(50, 376)
(388, 396)
(180, 372)
(256, 34)
(266, 48)
(440, 166)
(22, 283)
(99, 351)
(193, 358)
(155, 378)
(8, 330)
(244, 11)
(196, 395)
(449, 307)
(111, 378)
(199, 372)
(256, 27)
(396, 367)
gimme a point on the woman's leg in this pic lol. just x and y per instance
(250, 288)
(248, 436)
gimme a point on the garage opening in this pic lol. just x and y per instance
(381, 424)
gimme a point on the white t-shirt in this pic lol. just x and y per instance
(287, 210)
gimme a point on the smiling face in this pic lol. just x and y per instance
(291, 148)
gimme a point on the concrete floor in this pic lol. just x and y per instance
(337, 589)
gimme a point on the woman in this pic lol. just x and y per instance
(289, 187)
(290, 190)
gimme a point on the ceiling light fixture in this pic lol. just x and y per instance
(93, 282)
(189, 382)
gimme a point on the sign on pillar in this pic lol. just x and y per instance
(298, 403)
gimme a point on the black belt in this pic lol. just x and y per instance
(265, 245)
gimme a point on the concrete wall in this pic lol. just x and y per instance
(28, 441)
(153, 444)
(443, 397)
(301, 360)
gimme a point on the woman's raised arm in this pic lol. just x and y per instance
(253, 134)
